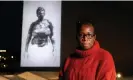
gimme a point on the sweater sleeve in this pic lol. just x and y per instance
(63, 69)
(107, 68)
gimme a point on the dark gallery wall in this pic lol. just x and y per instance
(10, 33)
(10, 25)
(113, 23)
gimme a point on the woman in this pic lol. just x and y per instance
(89, 61)
(40, 44)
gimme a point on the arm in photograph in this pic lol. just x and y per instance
(29, 37)
(51, 34)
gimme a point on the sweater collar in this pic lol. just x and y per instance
(91, 51)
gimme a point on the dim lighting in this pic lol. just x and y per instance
(119, 75)
(11, 56)
(0, 56)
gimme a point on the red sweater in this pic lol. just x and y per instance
(93, 64)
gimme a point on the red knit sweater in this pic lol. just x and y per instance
(93, 64)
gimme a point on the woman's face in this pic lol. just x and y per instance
(40, 13)
(86, 36)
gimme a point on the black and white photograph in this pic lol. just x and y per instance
(41, 34)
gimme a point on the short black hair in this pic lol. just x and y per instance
(40, 9)
(79, 24)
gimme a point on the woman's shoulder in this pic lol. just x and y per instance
(104, 54)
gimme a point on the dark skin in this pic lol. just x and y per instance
(87, 36)
(40, 15)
